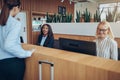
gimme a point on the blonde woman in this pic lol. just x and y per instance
(106, 46)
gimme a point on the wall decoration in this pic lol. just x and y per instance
(61, 10)
(64, 10)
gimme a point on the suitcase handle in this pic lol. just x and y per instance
(46, 62)
(51, 69)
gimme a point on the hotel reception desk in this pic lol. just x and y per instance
(69, 65)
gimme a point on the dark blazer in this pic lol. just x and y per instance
(49, 42)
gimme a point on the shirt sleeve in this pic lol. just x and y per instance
(12, 42)
(114, 50)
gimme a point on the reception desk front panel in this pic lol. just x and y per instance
(70, 65)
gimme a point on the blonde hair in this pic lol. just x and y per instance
(107, 26)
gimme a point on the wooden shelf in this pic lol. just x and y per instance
(41, 13)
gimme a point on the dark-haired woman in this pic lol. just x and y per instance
(12, 65)
(46, 37)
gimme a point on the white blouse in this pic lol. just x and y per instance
(107, 48)
(43, 40)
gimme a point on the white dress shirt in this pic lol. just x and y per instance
(107, 48)
(10, 45)
(43, 40)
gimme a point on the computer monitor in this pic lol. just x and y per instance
(85, 47)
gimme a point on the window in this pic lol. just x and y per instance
(110, 11)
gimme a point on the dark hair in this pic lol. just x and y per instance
(50, 33)
(8, 5)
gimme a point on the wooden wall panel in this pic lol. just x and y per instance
(1, 3)
(26, 5)
(35, 37)
(51, 6)
(76, 37)
(29, 27)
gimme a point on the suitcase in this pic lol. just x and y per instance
(51, 69)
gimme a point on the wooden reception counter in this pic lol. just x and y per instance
(70, 65)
